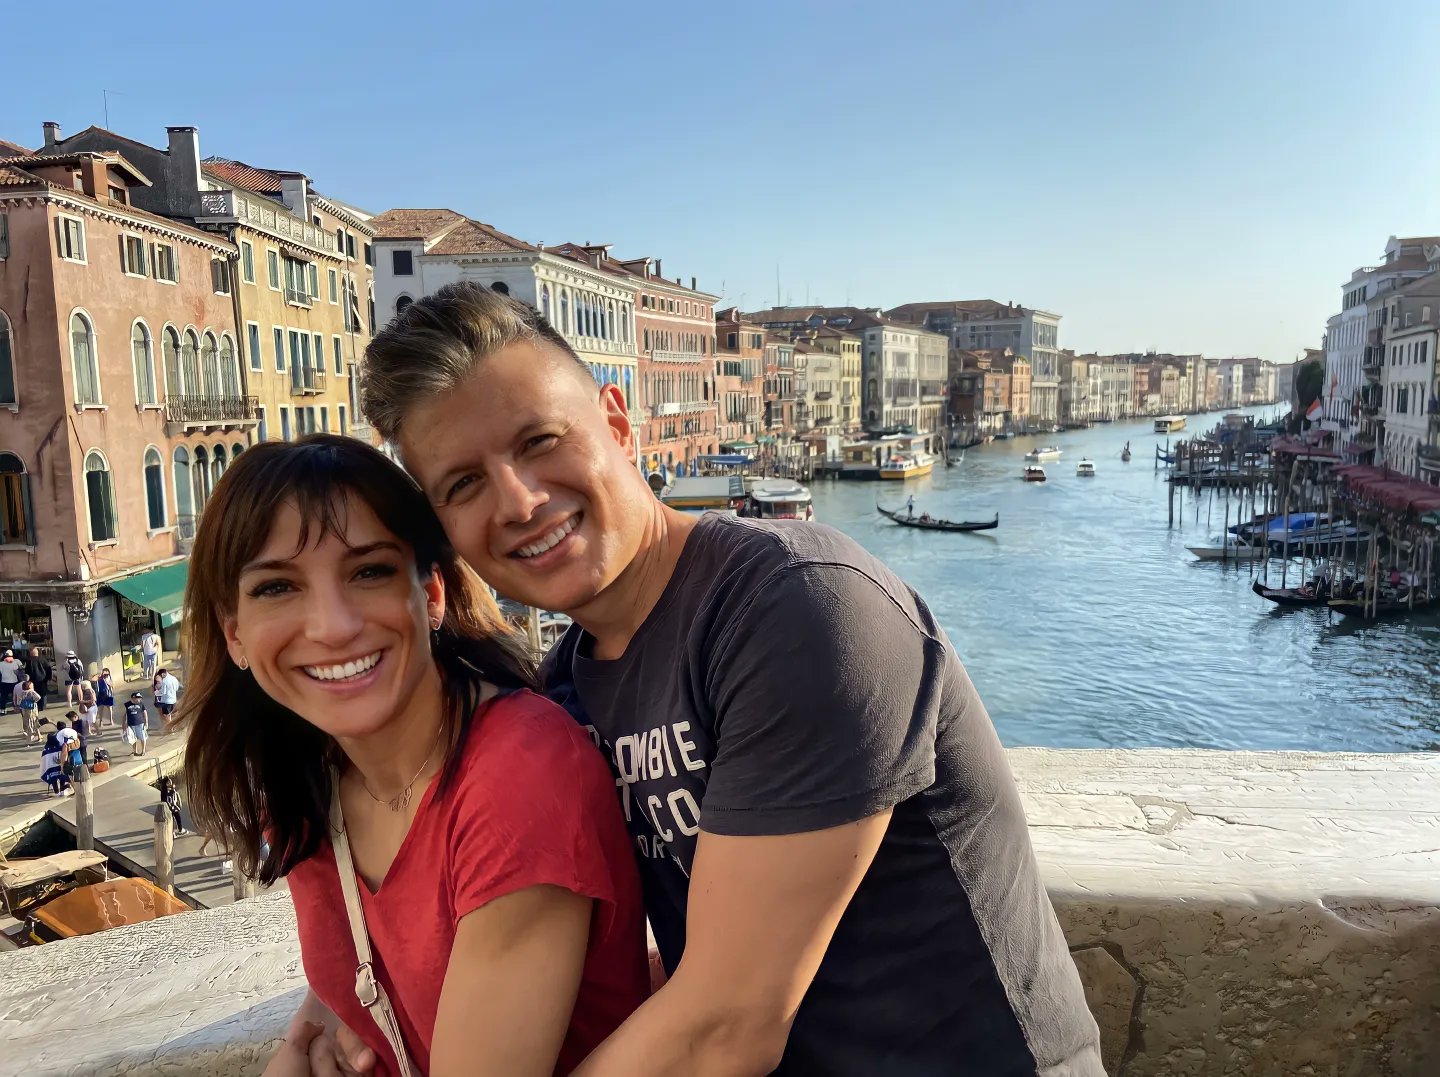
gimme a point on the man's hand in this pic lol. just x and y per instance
(311, 1051)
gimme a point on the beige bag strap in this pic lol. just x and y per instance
(367, 985)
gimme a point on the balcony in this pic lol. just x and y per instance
(1375, 337)
(300, 297)
(255, 211)
(310, 382)
(687, 407)
(678, 357)
(824, 395)
(185, 413)
(903, 401)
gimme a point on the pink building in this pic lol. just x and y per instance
(121, 402)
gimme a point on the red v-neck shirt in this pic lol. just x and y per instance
(533, 803)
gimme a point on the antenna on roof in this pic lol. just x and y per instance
(105, 96)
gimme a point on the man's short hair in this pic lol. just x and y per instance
(436, 342)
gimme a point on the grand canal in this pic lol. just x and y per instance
(1085, 623)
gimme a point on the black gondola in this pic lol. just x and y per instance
(1296, 597)
(937, 525)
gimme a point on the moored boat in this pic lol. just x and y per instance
(1085, 470)
(779, 499)
(1033, 473)
(910, 465)
(1230, 551)
(1390, 603)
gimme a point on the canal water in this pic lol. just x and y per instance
(1084, 622)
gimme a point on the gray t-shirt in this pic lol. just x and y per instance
(786, 682)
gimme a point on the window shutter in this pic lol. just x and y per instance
(27, 504)
(124, 265)
(59, 241)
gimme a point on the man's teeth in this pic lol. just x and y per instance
(535, 549)
(346, 671)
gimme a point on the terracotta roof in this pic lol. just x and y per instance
(14, 177)
(246, 177)
(473, 237)
(47, 160)
(9, 149)
(414, 223)
(959, 309)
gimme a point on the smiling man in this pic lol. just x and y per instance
(837, 868)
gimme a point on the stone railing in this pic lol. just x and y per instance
(1256, 914)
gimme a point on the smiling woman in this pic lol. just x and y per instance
(353, 685)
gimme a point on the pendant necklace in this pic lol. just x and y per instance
(401, 800)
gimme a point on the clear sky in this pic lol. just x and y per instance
(1187, 177)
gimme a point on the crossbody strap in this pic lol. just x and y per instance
(368, 988)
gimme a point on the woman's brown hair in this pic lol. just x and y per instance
(255, 770)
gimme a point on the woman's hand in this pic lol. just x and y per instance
(310, 1051)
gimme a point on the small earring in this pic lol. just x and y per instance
(244, 662)
(435, 624)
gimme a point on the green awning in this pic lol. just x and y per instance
(160, 589)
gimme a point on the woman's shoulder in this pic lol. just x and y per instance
(513, 730)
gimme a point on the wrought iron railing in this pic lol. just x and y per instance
(210, 409)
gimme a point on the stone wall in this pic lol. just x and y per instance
(1253, 914)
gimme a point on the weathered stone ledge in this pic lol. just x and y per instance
(1231, 913)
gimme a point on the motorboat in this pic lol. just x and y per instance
(1045, 452)
(909, 465)
(1085, 470)
(779, 499)
(1169, 424)
(1034, 473)
(1234, 550)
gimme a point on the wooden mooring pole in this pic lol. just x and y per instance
(164, 850)
(84, 809)
(244, 888)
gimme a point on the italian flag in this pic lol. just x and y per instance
(1315, 411)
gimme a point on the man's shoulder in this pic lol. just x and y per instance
(764, 547)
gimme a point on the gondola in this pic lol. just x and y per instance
(1293, 597)
(937, 525)
(1392, 605)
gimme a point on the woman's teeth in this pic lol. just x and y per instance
(344, 672)
(535, 549)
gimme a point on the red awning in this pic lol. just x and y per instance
(1389, 489)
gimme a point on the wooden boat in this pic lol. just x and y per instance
(1085, 470)
(25, 883)
(1034, 473)
(924, 524)
(1125, 454)
(1392, 604)
(907, 466)
(1314, 593)
(1231, 551)
(87, 910)
(1045, 452)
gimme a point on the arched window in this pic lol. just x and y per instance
(545, 301)
(190, 363)
(235, 451)
(82, 358)
(564, 311)
(7, 363)
(200, 477)
(217, 464)
(143, 355)
(403, 302)
(17, 520)
(210, 365)
(170, 351)
(154, 488)
(184, 493)
(229, 369)
(99, 497)
(501, 287)
(610, 333)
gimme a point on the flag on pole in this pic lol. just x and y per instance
(1315, 411)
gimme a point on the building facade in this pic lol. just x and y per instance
(122, 400)
(739, 381)
(1404, 405)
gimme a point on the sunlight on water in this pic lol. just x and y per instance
(1085, 623)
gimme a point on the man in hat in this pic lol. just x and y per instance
(11, 670)
(74, 677)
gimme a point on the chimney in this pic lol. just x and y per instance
(295, 193)
(692, 285)
(657, 269)
(52, 133)
(95, 176)
(182, 171)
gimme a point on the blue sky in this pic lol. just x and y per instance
(1196, 177)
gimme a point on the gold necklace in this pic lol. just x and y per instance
(401, 800)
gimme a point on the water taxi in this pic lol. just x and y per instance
(1034, 473)
(1085, 469)
(1045, 452)
(1169, 424)
(911, 465)
(779, 499)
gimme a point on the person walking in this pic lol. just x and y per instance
(74, 677)
(52, 768)
(40, 674)
(137, 724)
(104, 701)
(149, 654)
(11, 670)
(87, 705)
(167, 693)
(26, 700)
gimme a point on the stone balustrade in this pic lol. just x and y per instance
(1237, 913)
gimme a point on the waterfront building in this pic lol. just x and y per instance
(1142, 400)
(300, 280)
(1285, 377)
(1403, 403)
(122, 400)
(984, 323)
(1231, 373)
(1355, 342)
(739, 380)
(589, 299)
(835, 376)
(980, 390)
(1117, 387)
